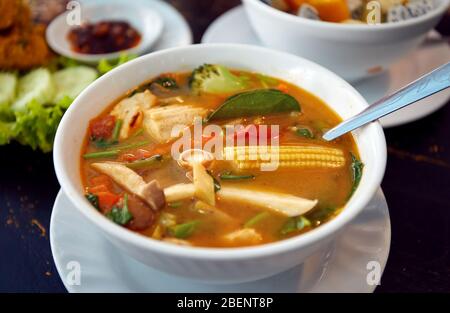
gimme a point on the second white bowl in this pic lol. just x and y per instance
(353, 51)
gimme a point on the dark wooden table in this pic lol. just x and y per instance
(416, 185)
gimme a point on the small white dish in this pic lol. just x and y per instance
(234, 27)
(340, 267)
(144, 19)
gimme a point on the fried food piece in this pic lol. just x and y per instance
(9, 11)
(24, 49)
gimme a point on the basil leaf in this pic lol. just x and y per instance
(256, 102)
(93, 199)
(120, 216)
(295, 224)
(357, 170)
(304, 132)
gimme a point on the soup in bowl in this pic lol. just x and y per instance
(215, 169)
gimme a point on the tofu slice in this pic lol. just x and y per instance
(131, 111)
(150, 193)
(159, 122)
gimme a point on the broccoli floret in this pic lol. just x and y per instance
(211, 78)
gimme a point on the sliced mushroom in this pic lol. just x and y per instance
(285, 204)
(150, 193)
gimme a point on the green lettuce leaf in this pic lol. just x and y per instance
(104, 66)
(36, 126)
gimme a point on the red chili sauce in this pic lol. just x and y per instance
(103, 37)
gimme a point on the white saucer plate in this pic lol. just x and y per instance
(159, 23)
(347, 265)
(234, 27)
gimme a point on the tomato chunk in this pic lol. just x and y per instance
(106, 200)
(102, 127)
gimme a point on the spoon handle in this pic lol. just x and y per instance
(427, 85)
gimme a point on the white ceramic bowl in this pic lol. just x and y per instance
(219, 265)
(144, 19)
(352, 51)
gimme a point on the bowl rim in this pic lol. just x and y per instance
(146, 243)
(145, 43)
(331, 26)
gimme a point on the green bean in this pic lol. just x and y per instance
(116, 131)
(150, 162)
(230, 176)
(256, 219)
(185, 230)
(131, 146)
(102, 154)
(175, 205)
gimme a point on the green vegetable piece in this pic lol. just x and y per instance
(105, 66)
(295, 224)
(230, 176)
(304, 132)
(166, 82)
(131, 146)
(255, 103)
(120, 216)
(185, 230)
(101, 155)
(216, 79)
(175, 205)
(73, 80)
(93, 199)
(320, 214)
(256, 219)
(36, 125)
(146, 163)
(357, 170)
(38, 85)
(116, 131)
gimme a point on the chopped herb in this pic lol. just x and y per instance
(116, 131)
(231, 176)
(256, 219)
(357, 169)
(131, 146)
(185, 230)
(166, 82)
(103, 143)
(150, 162)
(295, 224)
(217, 185)
(120, 216)
(175, 205)
(320, 214)
(93, 199)
(101, 155)
(304, 132)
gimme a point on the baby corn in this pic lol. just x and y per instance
(252, 157)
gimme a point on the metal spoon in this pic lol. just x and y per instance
(425, 86)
